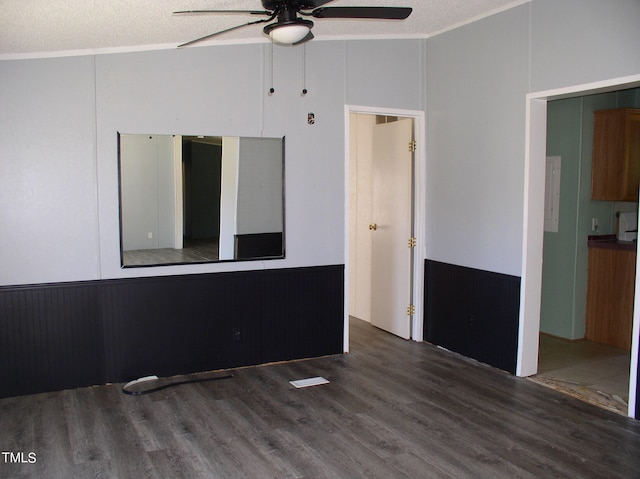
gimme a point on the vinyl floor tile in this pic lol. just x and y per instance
(595, 373)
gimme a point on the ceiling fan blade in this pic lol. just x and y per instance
(383, 13)
(309, 4)
(206, 37)
(219, 12)
(294, 4)
(308, 37)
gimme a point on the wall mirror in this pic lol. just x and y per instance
(200, 199)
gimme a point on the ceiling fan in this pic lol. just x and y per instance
(289, 28)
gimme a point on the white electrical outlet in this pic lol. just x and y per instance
(594, 224)
(149, 235)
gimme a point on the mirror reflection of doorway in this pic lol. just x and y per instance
(202, 170)
(195, 199)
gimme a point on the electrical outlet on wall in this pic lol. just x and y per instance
(594, 224)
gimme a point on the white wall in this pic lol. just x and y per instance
(58, 143)
(387, 74)
(147, 187)
(259, 200)
(59, 118)
(48, 189)
(575, 42)
(187, 92)
(477, 79)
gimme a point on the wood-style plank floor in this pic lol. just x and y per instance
(194, 251)
(393, 409)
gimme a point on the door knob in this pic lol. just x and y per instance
(373, 226)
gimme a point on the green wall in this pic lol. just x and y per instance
(564, 274)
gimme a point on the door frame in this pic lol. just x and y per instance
(533, 227)
(419, 220)
(178, 199)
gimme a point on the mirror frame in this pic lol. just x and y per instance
(274, 239)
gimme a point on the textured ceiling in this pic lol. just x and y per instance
(44, 27)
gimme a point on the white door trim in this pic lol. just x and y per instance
(533, 225)
(419, 198)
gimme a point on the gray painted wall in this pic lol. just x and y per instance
(260, 186)
(58, 144)
(574, 42)
(59, 117)
(477, 79)
(48, 181)
(148, 190)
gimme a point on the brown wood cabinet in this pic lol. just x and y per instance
(616, 155)
(610, 295)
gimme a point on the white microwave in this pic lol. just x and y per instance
(628, 226)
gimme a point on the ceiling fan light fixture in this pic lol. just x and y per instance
(288, 28)
(289, 32)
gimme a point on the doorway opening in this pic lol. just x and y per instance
(586, 303)
(532, 309)
(384, 211)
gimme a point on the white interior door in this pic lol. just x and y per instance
(391, 227)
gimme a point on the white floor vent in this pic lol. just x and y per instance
(305, 383)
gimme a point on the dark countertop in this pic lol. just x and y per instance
(609, 242)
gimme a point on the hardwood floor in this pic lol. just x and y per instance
(194, 251)
(393, 409)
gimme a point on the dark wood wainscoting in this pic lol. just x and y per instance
(262, 245)
(473, 312)
(68, 335)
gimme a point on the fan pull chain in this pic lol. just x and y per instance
(304, 69)
(271, 89)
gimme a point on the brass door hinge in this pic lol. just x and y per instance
(411, 310)
(412, 146)
(412, 242)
